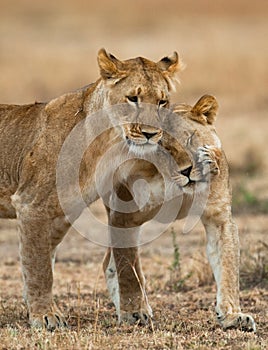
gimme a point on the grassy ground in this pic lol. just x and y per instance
(48, 48)
(181, 292)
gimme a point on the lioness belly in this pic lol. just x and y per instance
(7, 211)
(7, 187)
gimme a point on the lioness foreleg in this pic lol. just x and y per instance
(123, 271)
(223, 254)
(126, 285)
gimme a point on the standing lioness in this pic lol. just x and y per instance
(31, 139)
(202, 192)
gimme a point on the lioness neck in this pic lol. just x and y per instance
(96, 97)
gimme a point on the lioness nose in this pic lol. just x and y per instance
(149, 135)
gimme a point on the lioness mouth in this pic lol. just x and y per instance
(186, 172)
(144, 144)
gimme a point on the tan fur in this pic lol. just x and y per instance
(31, 139)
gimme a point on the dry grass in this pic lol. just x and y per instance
(183, 317)
(47, 48)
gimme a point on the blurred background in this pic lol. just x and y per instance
(49, 47)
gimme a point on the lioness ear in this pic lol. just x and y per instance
(170, 65)
(110, 67)
(205, 110)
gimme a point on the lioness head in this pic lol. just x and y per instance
(143, 87)
(189, 131)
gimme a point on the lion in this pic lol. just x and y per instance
(222, 233)
(32, 137)
(202, 177)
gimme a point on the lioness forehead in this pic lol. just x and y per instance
(144, 78)
(145, 71)
(142, 63)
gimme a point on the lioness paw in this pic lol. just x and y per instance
(50, 321)
(206, 162)
(240, 321)
(140, 317)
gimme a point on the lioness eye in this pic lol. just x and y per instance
(162, 103)
(133, 98)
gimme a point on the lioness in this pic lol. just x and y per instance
(31, 139)
(203, 178)
(222, 234)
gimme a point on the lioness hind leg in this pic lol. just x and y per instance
(37, 252)
(37, 268)
(223, 254)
